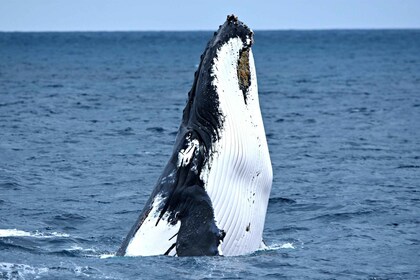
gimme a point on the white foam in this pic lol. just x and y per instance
(13, 232)
(106, 256)
(81, 249)
(287, 245)
(19, 271)
(36, 234)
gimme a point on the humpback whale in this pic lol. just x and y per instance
(212, 196)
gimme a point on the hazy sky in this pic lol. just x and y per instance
(98, 15)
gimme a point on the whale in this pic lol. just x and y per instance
(212, 196)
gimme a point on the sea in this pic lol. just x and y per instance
(88, 121)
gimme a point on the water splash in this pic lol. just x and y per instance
(106, 256)
(35, 234)
(274, 247)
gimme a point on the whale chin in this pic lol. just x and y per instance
(212, 196)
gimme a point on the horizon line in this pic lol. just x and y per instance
(208, 30)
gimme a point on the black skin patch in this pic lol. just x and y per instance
(198, 234)
(185, 199)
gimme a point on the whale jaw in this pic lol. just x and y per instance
(212, 196)
(238, 176)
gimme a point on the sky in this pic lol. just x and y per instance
(139, 15)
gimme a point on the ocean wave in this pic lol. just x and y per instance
(78, 251)
(35, 234)
(24, 271)
(106, 256)
(19, 271)
(274, 247)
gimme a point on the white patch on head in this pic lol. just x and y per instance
(248, 40)
(151, 239)
(238, 174)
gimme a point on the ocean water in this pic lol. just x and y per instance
(87, 122)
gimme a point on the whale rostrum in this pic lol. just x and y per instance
(212, 196)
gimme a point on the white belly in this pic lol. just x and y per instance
(239, 174)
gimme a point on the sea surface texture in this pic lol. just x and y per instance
(88, 120)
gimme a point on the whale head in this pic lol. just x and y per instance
(212, 196)
(226, 73)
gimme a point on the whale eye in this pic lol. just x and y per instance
(244, 75)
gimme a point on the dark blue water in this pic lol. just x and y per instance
(87, 122)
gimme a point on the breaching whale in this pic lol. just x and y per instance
(212, 196)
